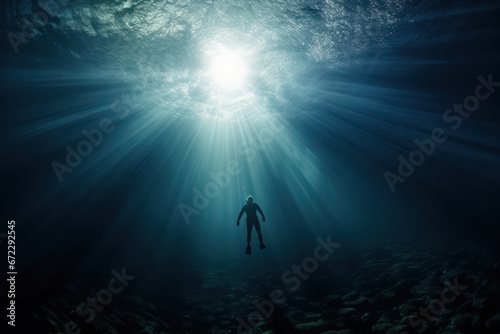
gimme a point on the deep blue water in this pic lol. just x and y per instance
(133, 131)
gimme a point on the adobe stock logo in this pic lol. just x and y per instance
(211, 190)
(30, 29)
(222, 179)
(94, 138)
(104, 297)
(427, 146)
(293, 278)
(436, 307)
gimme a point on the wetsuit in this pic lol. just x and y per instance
(252, 219)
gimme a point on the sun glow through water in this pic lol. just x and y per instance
(228, 69)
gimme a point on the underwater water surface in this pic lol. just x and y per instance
(367, 132)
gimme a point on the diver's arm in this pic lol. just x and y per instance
(261, 213)
(239, 216)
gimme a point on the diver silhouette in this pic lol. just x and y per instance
(251, 220)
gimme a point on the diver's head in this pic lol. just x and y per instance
(250, 199)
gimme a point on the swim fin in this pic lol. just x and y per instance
(262, 246)
(248, 251)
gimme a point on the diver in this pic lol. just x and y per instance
(251, 220)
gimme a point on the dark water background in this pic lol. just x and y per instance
(352, 85)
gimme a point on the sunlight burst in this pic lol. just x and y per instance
(228, 69)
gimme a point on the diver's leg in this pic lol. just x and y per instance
(259, 233)
(248, 251)
(249, 232)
